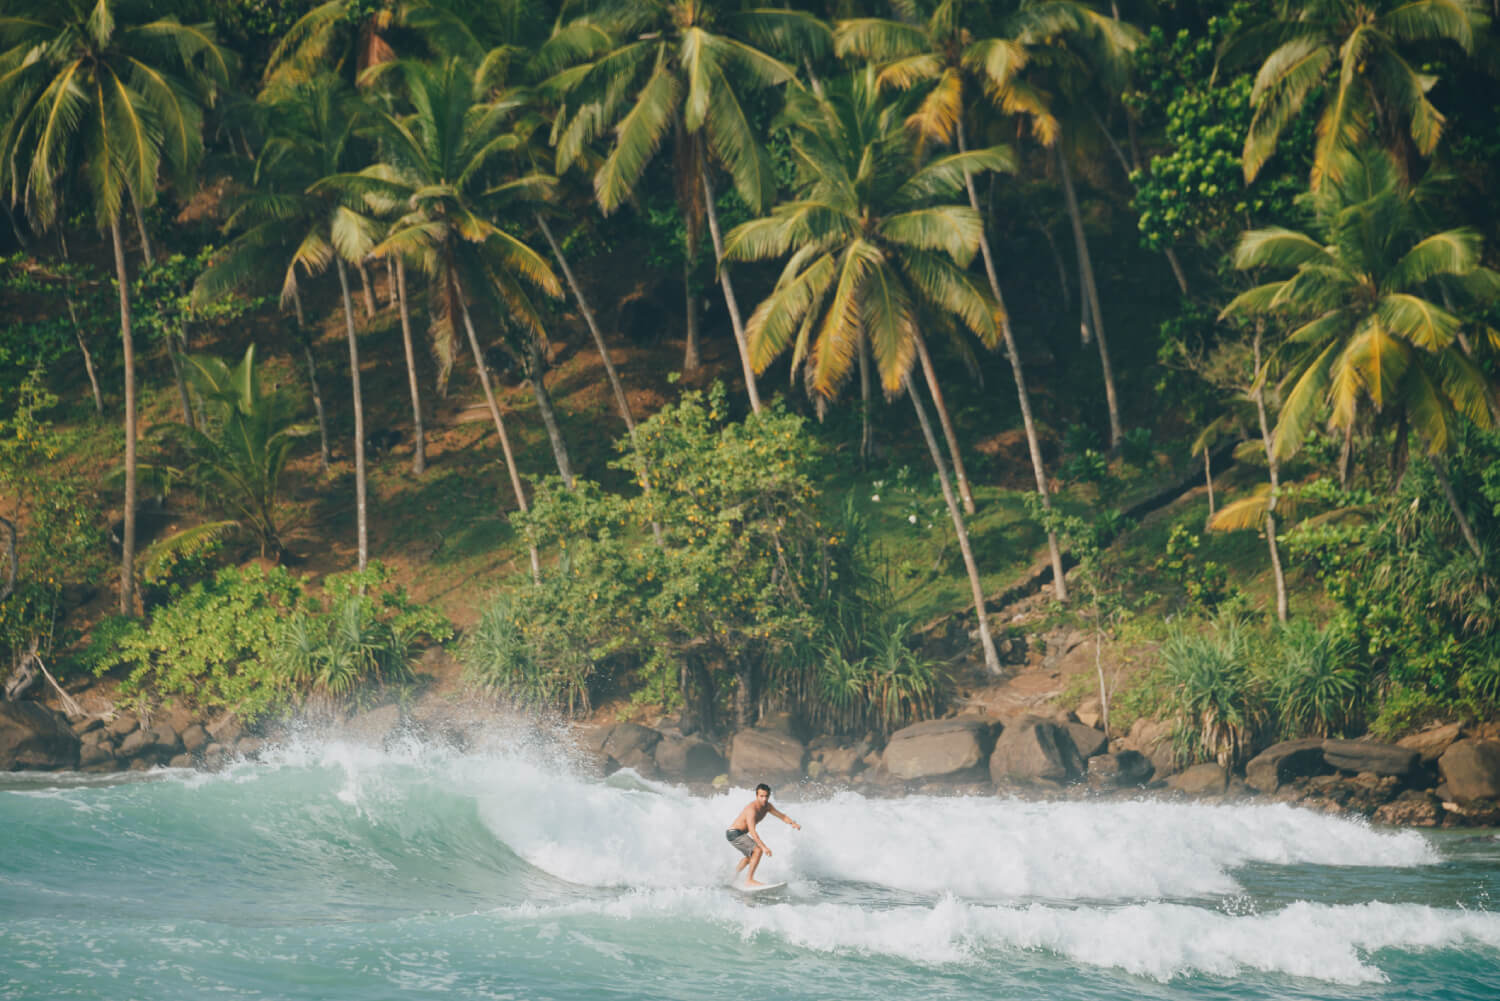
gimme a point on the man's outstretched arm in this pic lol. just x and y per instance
(784, 818)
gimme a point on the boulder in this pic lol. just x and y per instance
(1207, 779)
(1279, 764)
(1371, 756)
(84, 725)
(33, 736)
(1088, 740)
(151, 744)
(842, 762)
(1432, 742)
(631, 745)
(1471, 769)
(181, 761)
(951, 749)
(1119, 771)
(769, 756)
(249, 747)
(226, 730)
(194, 739)
(1031, 750)
(689, 758)
(92, 757)
(123, 725)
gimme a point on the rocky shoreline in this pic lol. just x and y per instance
(1446, 776)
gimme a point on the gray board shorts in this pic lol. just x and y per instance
(741, 840)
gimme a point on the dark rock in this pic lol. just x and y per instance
(1119, 771)
(1472, 813)
(952, 749)
(226, 730)
(91, 755)
(1086, 739)
(769, 756)
(215, 756)
(135, 743)
(690, 759)
(371, 726)
(123, 725)
(1371, 756)
(786, 723)
(1279, 764)
(1034, 750)
(249, 747)
(631, 745)
(1471, 770)
(1432, 742)
(86, 724)
(194, 739)
(100, 736)
(181, 761)
(842, 762)
(1207, 779)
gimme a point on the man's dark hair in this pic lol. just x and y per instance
(765, 787)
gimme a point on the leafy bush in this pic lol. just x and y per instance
(1315, 687)
(362, 632)
(1218, 697)
(1205, 583)
(211, 646)
(747, 569)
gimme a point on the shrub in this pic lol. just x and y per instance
(211, 645)
(361, 633)
(1218, 699)
(1314, 685)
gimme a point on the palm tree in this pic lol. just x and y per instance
(875, 248)
(352, 38)
(438, 162)
(1365, 290)
(107, 101)
(943, 55)
(312, 136)
(1376, 88)
(675, 69)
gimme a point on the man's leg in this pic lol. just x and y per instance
(754, 861)
(741, 867)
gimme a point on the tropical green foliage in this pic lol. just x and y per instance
(236, 461)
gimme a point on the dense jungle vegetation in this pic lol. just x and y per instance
(789, 331)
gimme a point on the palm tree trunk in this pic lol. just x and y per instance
(1346, 455)
(489, 397)
(866, 437)
(140, 224)
(1464, 525)
(419, 435)
(991, 658)
(15, 227)
(393, 296)
(182, 390)
(1275, 470)
(1091, 296)
(312, 381)
(1208, 478)
(127, 532)
(367, 286)
(1013, 355)
(621, 401)
(359, 419)
(944, 421)
(729, 300)
(588, 318)
(691, 357)
(535, 373)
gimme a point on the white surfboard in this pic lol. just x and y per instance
(758, 889)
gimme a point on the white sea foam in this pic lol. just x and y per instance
(1160, 941)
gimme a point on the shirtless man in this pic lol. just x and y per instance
(743, 835)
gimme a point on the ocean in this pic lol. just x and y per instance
(331, 871)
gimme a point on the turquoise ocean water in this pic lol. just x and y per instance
(334, 871)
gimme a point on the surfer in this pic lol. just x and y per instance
(743, 835)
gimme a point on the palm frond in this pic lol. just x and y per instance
(1418, 320)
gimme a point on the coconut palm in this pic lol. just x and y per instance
(959, 50)
(676, 67)
(878, 244)
(1358, 58)
(312, 137)
(351, 38)
(1366, 288)
(102, 94)
(437, 166)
